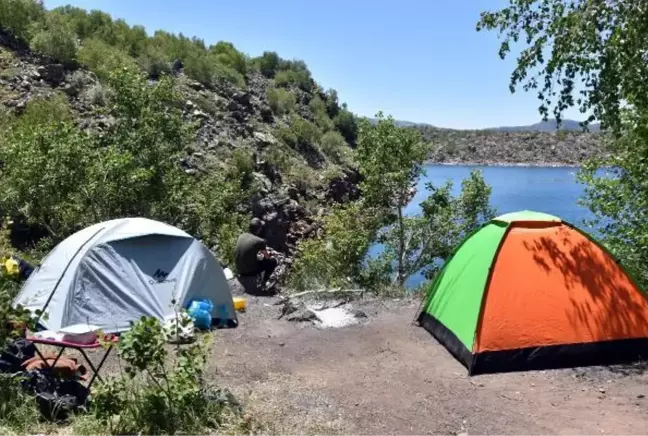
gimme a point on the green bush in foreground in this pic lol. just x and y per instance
(158, 393)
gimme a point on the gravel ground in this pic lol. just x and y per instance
(388, 376)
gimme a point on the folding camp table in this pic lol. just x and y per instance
(63, 345)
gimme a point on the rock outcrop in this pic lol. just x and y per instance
(228, 119)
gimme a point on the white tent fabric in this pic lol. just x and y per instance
(114, 272)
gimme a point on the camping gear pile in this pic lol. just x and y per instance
(56, 386)
(530, 291)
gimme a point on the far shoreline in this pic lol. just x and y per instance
(506, 164)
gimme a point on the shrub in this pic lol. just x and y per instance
(324, 122)
(18, 410)
(226, 74)
(159, 395)
(57, 39)
(154, 61)
(334, 146)
(332, 106)
(17, 16)
(346, 124)
(243, 166)
(45, 111)
(226, 54)
(281, 100)
(103, 58)
(322, 119)
(335, 259)
(200, 67)
(317, 105)
(305, 131)
(97, 95)
(300, 78)
(287, 136)
(268, 63)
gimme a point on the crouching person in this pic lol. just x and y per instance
(252, 259)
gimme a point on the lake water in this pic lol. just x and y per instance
(543, 189)
(553, 190)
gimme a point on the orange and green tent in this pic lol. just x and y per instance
(530, 291)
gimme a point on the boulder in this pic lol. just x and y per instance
(52, 73)
(264, 139)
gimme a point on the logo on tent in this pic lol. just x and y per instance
(160, 276)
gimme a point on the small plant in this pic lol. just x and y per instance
(335, 147)
(160, 393)
(281, 100)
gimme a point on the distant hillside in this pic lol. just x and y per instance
(549, 126)
(536, 144)
(542, 126)
(511, 147)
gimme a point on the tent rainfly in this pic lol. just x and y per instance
(530, 291)
(112, 273)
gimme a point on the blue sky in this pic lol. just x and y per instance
(419, 61)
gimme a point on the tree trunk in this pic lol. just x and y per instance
(401, 248)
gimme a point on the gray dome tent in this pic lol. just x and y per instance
(114, 272)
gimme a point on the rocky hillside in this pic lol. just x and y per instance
(495, 147)
(266, 116)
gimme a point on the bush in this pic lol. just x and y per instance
(103, 58)
(334, 146)
(158, 395)
(226, 54)
(17, 16)
(322, 119)
(335, 259)
(300, 78)
(332, 106)
(45, 111)
(243, 167)
(154, 61)
(268, 63)
(305, 131)
(281, 100)
(57, 39)
(18, 410)
(346, 124)
(97, 95)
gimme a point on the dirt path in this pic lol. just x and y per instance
(387, 376)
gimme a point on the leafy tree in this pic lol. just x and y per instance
(17, 16)
(617, 194)
(141, 152)
(391, 160)
(432, 236)
(595, 45)
(591, 54)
